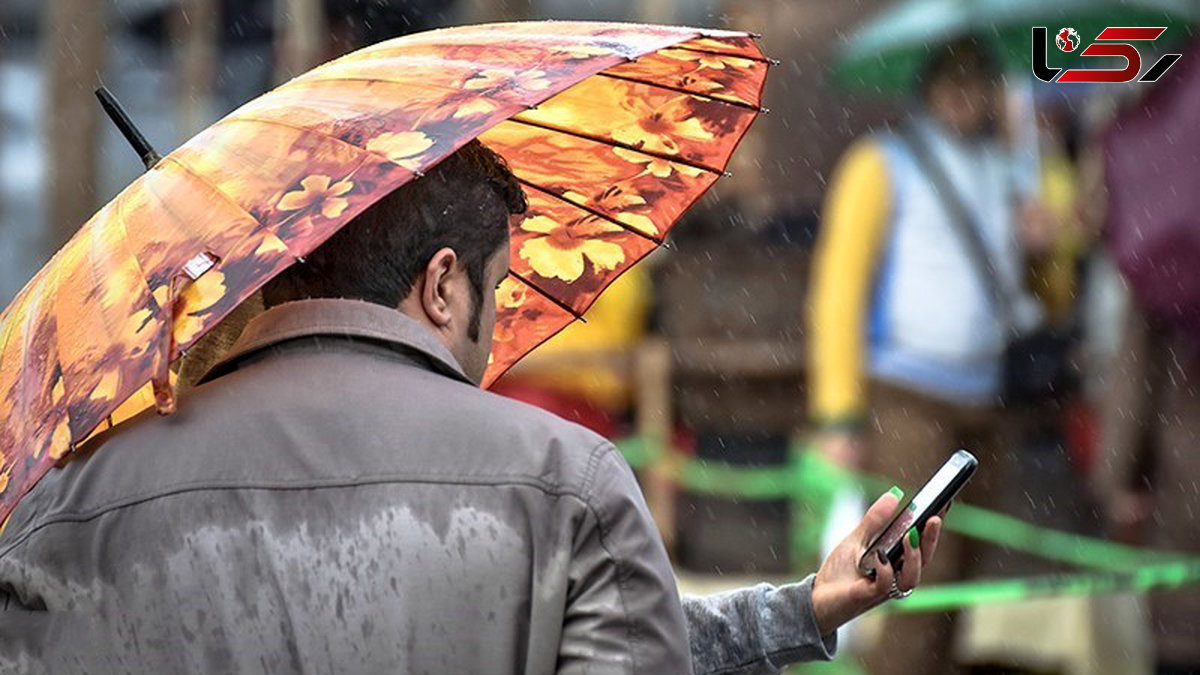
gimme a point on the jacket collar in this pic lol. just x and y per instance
(339, 318)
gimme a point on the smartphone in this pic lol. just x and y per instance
(929, 501)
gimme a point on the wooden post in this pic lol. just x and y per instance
(73, 55)
(652, 370)
(195, 28)
(489, 11)
(658, 11)
(302, 33)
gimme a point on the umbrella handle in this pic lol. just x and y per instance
(120, 118)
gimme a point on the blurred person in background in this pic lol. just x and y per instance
(906, 341)
(1148, 476)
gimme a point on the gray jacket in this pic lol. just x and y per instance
(340, 498)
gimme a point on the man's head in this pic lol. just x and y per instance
(435, 248)
(960, 86)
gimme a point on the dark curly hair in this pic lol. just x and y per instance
(462, 203)
(966, 57)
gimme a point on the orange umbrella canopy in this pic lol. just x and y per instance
(613, 129)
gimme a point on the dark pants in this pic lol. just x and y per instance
(910, 436)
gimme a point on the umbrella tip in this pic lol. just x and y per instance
(772, 62)
(120, 118)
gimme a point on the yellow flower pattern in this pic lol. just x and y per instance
(494, 78)
(320, 194)
(608, 164)
(562, 250)
(402, 147)
(659, 168)
(661, 128)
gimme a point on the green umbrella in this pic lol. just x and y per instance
(886, 53)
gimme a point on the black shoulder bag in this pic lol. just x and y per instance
(1037, 365)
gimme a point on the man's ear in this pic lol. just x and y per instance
(435, 291)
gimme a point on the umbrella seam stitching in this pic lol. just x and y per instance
(551, 298)
(615, 143)
(682, 90)
(682, 45)
(598, 214)
(221, 193)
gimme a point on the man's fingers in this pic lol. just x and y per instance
(910, 572)
(884, 575)
(929, 539)
(879, 514)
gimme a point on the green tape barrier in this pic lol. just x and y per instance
(811, 482)
(952, 596)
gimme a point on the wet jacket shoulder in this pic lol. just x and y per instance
(339, 498)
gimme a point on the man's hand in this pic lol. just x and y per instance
(1128, 512)
(1037, 229)
(840, 593)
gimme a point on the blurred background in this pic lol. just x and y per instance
(807, 308)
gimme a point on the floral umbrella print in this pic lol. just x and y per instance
(613, 129)
(318, 193)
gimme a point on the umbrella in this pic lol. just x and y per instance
(886, 53)
(613, 129)
(1151, 153)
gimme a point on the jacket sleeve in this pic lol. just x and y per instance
(853, 227)
(755, 631)
(623, 613)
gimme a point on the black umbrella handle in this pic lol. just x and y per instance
(117, 114)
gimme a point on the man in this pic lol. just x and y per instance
(339, 495)
(906, 341)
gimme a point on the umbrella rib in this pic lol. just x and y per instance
(10, 314)
(93, 270)
(220, 193)
(120, 207)
(707, 97)
(47, 290)
(760, 59)
(618, 144)
(562, 305)
(594, 212)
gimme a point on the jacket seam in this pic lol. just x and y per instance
(389, 349)
(767, 656)
(593, 464)
(631, 630)
(76, 517)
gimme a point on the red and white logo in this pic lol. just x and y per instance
(1114, 41)
(1067, 39)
